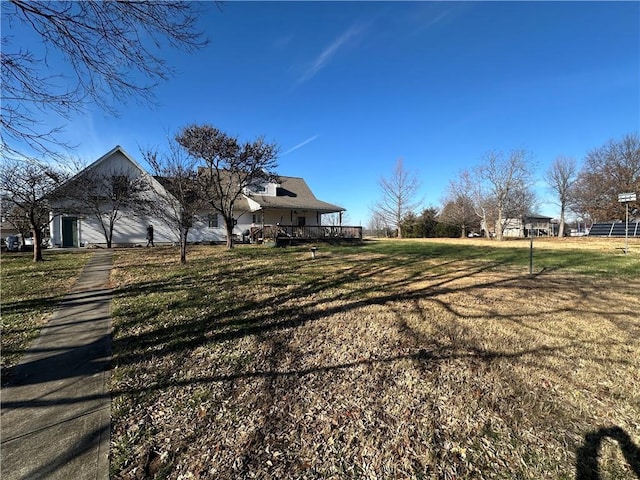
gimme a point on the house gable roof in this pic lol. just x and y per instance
(293, 193)
(104, 158)
(107, 156)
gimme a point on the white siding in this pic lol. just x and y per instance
(201, 232)
(513, 228)
(127, 231)
(290, 217)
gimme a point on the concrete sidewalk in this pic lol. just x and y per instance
(56, 412)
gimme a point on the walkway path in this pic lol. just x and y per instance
(56, 412)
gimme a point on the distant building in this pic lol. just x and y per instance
(536, 225)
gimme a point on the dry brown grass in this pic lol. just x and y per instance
(263, 364)
(600, 244)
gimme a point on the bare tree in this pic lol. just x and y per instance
(561, 177)
(459, 207)
(108, 196)
(467, 190)
(183, 195)
(27, 187)
(398, 193)
(336, 219)
(230, 167)
(507, 179)
(458, 210)
(111, 52)
(14, 216)
(607, 171)
(377, 224)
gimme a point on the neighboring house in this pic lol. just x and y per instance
(285, 207)
(6, 227)
(538, 225)
(12, 226)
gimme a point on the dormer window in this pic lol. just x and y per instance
(257, 188)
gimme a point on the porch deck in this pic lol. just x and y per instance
(291, 234)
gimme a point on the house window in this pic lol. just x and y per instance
(301, 221)
(213, 220)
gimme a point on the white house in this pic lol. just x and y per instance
(286, 205)
(70, 228)
(538, 225)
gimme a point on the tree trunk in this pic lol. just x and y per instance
(499, 232)
(183, 245)
(110, 237)
(484, 225)
(37, 245)
(561, 228)
(229, 224)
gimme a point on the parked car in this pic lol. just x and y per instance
(16, 243)
(13, 243)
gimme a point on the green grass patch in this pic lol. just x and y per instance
(30, 292)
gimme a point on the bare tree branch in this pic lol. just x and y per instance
(398, 193)
(507, 179)
(184, 194)
(27, 186)
(561, 177)
(230, 167)
(607, 171)
(113, 53)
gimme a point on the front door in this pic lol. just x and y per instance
(69, 232)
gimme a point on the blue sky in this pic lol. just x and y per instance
(346, 89)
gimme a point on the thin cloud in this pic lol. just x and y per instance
(301, 144)
(432, 14)
(283, 42)
(322, 60)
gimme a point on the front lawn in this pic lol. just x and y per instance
(411, 359)
(30, 292)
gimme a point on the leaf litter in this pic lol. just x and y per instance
(349, 368)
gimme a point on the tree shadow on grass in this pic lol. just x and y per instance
(397, 286)
(239, 318)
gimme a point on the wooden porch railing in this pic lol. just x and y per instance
(293, 232)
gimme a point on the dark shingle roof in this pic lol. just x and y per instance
(294, 193)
